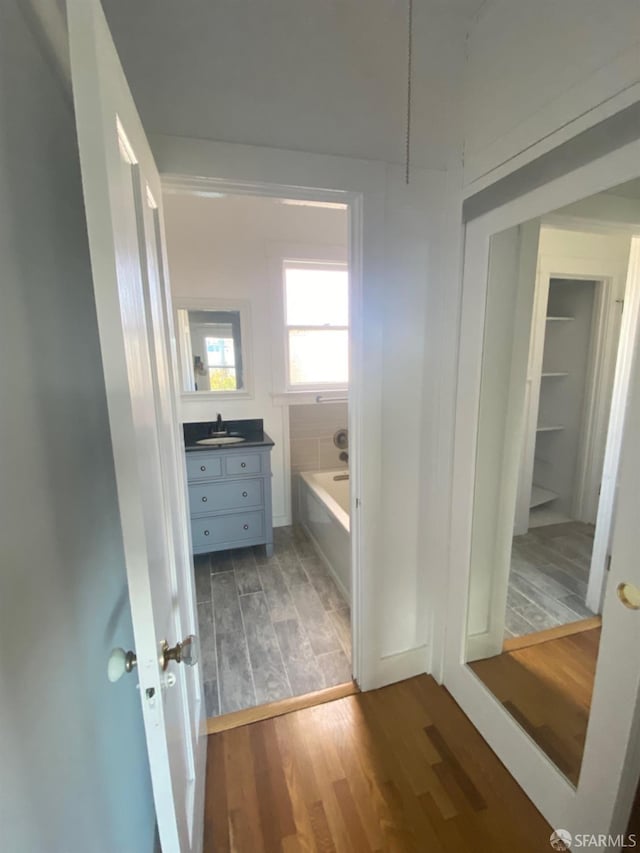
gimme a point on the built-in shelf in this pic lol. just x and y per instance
(540, 496)
(556, 319)
(550, 374)
(549, 428)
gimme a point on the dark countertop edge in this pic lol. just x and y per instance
(266, 441)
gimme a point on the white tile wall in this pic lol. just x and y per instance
(311, 429)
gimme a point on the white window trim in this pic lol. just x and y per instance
(206, 303)
(315, 387)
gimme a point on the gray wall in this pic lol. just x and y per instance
(74, 776)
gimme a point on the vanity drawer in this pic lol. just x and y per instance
(228, 529)
(202, 466)
(248, 463)
(211, 497)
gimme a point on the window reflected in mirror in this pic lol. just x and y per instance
(211, 350)
(554, 381)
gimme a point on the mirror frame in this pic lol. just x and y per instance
(558, 800)
(212, 303)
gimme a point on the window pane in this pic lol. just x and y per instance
(316, 297)
(222, 379)
(318, 356)
(220, 352)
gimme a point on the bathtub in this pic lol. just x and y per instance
(324, 512)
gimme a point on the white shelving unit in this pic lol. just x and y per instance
(559, 382)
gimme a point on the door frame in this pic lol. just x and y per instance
(551, 792)
(183, 184)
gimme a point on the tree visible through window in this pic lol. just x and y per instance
(317, 324)
(221, 362)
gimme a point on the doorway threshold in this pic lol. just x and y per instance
(512, 644)
(225, 722)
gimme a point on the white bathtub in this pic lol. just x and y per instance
(324, 511)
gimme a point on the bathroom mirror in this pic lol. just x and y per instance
(212, 347)
(553, 389)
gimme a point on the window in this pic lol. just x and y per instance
(221, 361)
(316, 308)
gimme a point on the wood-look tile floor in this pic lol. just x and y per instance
(547, 688)
(398, 769)
(548, 578)
(270, 628)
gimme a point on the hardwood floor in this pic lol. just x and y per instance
(397, 769)
(547, 688)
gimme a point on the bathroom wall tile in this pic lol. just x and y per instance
(317, 420)
(329, 456)
(269, 675)
(304, 454)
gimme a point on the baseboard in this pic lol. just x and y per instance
(481, 646)
(281, 521)
(397, 667)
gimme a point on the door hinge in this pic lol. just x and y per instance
(357, 503)
(608, 564)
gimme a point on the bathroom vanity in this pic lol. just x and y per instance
(229, 485)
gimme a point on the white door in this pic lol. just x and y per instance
(122, 199)
(611, 763)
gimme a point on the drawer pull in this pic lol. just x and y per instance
(246, 526)
(203, 467)
(204, 499)
(245, 494)
(206, 532)
(243, 464)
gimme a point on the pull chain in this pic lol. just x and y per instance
(409, 71)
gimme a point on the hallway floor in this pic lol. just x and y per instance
(270, 628)
(397, 769)
(548, 578)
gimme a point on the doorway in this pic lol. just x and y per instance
(275, 618)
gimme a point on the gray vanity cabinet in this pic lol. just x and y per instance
(230, 498)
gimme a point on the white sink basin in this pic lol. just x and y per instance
(222, 439)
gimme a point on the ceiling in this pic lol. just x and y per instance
(629, 190)
(311, 75)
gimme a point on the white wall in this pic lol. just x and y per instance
(537, 73)
(331, 78)
(225, 73)
(73, 765)
(232, 248)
